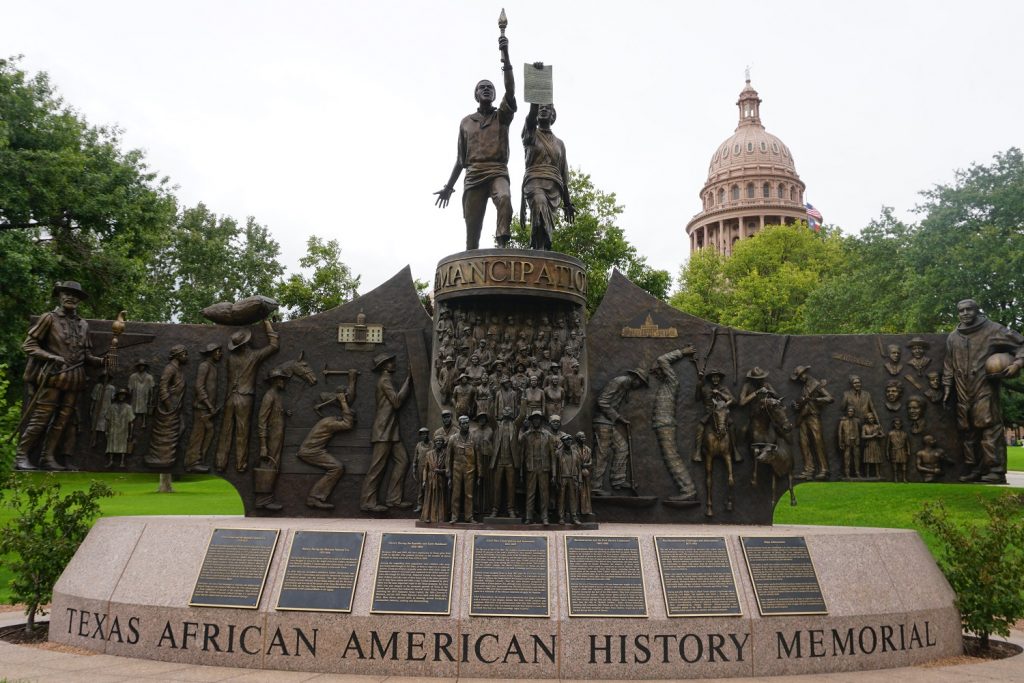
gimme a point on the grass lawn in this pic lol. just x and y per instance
(1015, 458)
(883, 504)
(135, 494)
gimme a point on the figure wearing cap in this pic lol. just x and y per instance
(448, 426)
(58, 348)
(204, 408)
(483, 152)
(464, 396)
(243, 364)
(609, 425)
(538, 448)
(918, 360)
(760, 396)
(270, 430)
(663, 420)
(140, 390)
(386, 440)
(446, 376)
(566, 475)
(461, 456)
(813, 398)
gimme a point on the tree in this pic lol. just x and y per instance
(73, 204)
(983, 563)
(330, 284)
(764, 286)
(43, 534)
(598, 241)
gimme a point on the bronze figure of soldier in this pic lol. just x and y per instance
(979, 417)
(204, 408)
(483, 152)
(58, 348)
(243, 363)
(387, 442)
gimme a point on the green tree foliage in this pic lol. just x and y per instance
(10, 413)
(330, 284)
(596, 239)
(43, 533)
(210, 258)
(984, 564)
(765, 284)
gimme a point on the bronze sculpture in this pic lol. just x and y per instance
(849, 443)
(918, 360)
(813, 398)
(613, 449)
(387, 444)
(59, 348)
(717, 442)
(979, 416)
(916, 406)
(930, 460)
(709, 389)
(538, 454)
(859, 399)
(893, 394)
(483, 152)
(871, 436)
(313, 450)
(893, 365)
(204, 408)
(140, 390)
(505, 461)
(566, 476)
(546, 180)
(120, 427)
(102, 396)
(434, 482)
(461, 457)
(586, 465)
(663, 421)
(243, 364)
(419, 460)
(270, 430)
(897, 450)
(167, 426)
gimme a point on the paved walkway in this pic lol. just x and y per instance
(24, 664)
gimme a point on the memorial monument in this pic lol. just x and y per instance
(568, 472)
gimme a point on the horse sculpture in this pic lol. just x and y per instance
(300, 368)
(717, 442)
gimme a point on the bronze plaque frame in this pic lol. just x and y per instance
(355, 573)
(266, 568)
(732, 577)
(753, 580)
(547, 579)
(453, 540)
(568, 581)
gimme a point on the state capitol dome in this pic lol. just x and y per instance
(752, 182)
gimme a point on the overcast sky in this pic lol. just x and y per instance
(340, 118)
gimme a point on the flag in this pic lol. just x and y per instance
(814, 217)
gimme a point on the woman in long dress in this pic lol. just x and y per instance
(435, 483)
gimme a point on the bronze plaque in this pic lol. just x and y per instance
(510, 576)
(235, 568)
(414, 574)
(783, 575)
(696, 576)
(605, 576)
(321, 571)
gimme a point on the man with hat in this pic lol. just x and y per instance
(813, 397)
(447, 427)
(538, 454)
(612, 448)
(386, 440)
(243, 364)
(140, 388)
(204, 407)
(566, 475)
(58, 348)
(464, 396)
(505, 461)
(446, 376)
(979, 417)
(462, 461)
(270, 430)
(483, 152)
(707, 392)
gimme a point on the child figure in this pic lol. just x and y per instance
(898, 450)
(120, 422)
(871, 434)
(849, 443)
(929, 460)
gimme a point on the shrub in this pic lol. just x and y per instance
(10, 414)
(983, 563)
(43, 534)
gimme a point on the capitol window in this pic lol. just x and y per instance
(766, 191)
(735, 192)
(782, 191)
(750, 190)
(721, 195)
